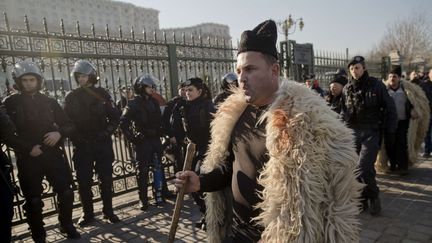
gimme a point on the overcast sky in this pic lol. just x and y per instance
(330, 25)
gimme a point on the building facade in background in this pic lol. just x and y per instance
(101, 13)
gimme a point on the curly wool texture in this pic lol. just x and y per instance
(310, 189)
(417, 126)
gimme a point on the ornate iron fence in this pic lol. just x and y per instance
(119, 60)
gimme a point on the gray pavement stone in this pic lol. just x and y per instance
(413, 235)
(406, 216)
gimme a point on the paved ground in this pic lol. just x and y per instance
(406, 216)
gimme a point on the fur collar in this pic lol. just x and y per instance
(310, 188)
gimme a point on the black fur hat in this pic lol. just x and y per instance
(261, 39)
(396, 70)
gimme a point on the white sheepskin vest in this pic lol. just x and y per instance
(310, 189)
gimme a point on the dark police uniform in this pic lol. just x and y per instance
(145, 115)
(368, 109)
(172, 126)
(95, 118)
(141, 123)
(34, 116)
(196, 116)
(7, 130)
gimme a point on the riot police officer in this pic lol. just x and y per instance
(40, 126)
(228, 80)
(7, 130)
(368, 109)
(95, 117)
(173, 127)
(196, 116)
(141, 123)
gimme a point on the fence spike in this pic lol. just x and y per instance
(26, 22)
(44, 22)
(78, 28)
(93, 30)
(107, 32)
(6, 21)
(62, 27)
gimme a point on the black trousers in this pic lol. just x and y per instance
(89, 158)
(144, 157)
(398, 152)
(6, 200)
(367, 143)
(31, 171)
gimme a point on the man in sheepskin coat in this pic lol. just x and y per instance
(412, 108)
(281, 167)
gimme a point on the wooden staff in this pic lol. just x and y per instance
(190, 151)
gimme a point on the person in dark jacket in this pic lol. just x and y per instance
(41, 126)
(141, 123)
(196, 116)
(368, 109)
(398, 151)
(7, 132)
(313, 84)
(427, 88)
(173, 127)
(413, 77)
(96, 118)
(334, 98)
(228, 80)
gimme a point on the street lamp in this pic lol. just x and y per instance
(287, 25)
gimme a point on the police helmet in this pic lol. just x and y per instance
(85, 67)
(142, 81)
(26, 68)
(228, 80)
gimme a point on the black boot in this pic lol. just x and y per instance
(108, 210)
(201, 224)
(65, 206)
(375, 206)
(85, 220)
(86, 196)
(70, 231)
(142, 179)
(33, 208)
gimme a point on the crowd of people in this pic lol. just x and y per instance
(275, 160)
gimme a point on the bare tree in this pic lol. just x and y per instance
(411, 36)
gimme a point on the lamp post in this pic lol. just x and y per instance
(289, 26)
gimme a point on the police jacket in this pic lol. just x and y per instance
(221, 97)
(92, 112)
(366, 104)
(427, 88)
(7, 130)
(171, 120)
(34, 116)
(141, 119)
(196, 117)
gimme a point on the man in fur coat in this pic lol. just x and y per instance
(281, 167)
(412, 108)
